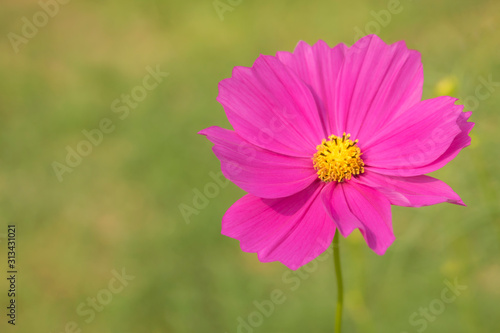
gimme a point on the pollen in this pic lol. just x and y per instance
(338, 159)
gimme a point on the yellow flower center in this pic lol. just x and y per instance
(338, 159)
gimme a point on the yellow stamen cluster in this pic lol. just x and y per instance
(338, 159)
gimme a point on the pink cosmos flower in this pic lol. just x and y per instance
(329, 138)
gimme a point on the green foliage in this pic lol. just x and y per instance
(119, 207)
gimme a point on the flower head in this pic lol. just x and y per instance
(328, 139)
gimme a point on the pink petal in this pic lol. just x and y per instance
(415, 139)
(260, 172)
(292, 230)
(319, 67)
(461, 141)
(269, 106)
(355, 206)
(377, 82)
(416, 191)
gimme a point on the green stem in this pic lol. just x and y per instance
(340, 285)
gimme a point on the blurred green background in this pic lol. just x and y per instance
(119, 207)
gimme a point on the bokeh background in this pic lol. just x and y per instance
(119, 207)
